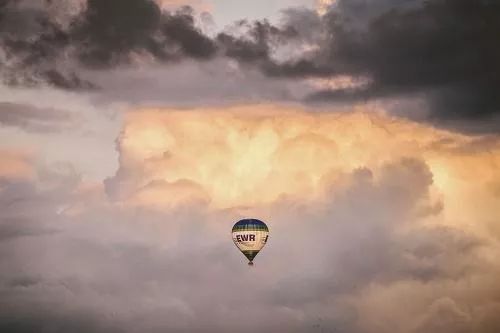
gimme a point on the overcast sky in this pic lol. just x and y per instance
(135, 133)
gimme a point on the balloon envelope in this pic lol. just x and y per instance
(250, 236)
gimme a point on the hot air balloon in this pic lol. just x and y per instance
(250, 236)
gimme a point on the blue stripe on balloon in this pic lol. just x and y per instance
(249, 224)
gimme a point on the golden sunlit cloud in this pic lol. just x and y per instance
(323, 5)
(255, 155)
(339, 82)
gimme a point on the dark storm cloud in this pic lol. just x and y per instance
(256, 43)
(31, 118)
(37, 47)
(111, 30)
(34, 47)
(441, 52)
(444, 51)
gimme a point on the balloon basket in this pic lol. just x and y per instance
(250, 263)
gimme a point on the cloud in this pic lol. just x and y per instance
(377, 223)
(441, 52)
(341, 261)
(322, 6)
(255, 40)
(35, 119)
(215, 82)
(263, 147)
(384, 213)
(112, 30)
(381, 225)
(46, 42)
(435, 59)
(34, 38)
(434, 62)
(198, 5)
(15, 164)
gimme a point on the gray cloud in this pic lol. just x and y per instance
(31, 118)
(39, 48)
(214, 82)
(73, 260)
(111, 30)
(257, 40)
(34, 46)
(14, 228)
(111, 269)
(440, 53)
(444, 52)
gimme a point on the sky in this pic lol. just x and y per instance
(135, 133)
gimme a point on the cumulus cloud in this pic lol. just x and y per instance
(378, 223)
(376, 243)
(262, 147)
(340, 262)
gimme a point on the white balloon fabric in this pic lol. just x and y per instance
(250, 236)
